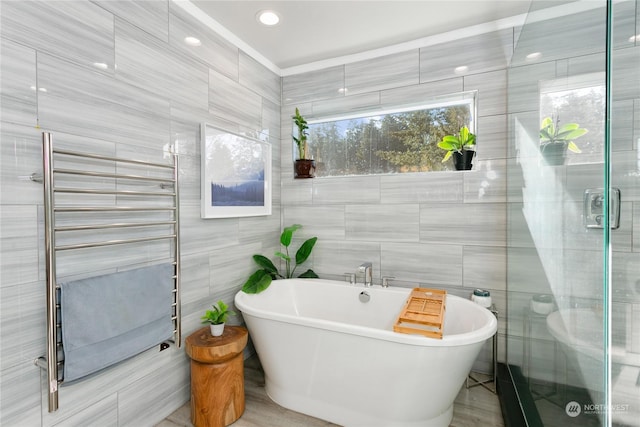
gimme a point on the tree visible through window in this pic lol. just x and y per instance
(390, 142)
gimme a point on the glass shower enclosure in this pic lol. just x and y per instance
(573, 184)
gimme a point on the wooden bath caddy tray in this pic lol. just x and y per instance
(423, 313)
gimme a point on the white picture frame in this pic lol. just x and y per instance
(235, 174)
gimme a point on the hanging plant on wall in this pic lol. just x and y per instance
(262, 278)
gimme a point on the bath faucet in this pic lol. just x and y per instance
(366, 268)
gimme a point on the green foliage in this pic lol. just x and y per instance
(463, 140)
(301, 139)
(553, 133)
(218, 315)
(261, 279)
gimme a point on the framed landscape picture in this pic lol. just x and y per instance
(236, 174)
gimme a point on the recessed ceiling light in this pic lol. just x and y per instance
(461, 69)
(100, 65)
(192, 41)
(634, 39)
(343, 90)
(533, 56)
(268, 17)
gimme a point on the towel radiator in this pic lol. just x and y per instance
(52, 362)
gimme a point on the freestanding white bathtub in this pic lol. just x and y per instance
(328, 355)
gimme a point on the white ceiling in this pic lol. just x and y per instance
(312, 30)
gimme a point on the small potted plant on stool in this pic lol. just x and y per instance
(217, 317)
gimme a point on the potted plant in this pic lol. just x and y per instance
(217, 317)
(461, 146)
(261, 279)
(304, 167)
(555, 140)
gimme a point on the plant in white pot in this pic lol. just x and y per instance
(217, 317)
(304, 167)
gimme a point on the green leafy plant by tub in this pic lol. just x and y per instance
(218, 315)
(301, 139)
(464, 140)
(552, 133)
(262, 278)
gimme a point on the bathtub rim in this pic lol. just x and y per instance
(242, 302)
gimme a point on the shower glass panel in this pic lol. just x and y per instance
(573, 338)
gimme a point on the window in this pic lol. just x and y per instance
(398, 140)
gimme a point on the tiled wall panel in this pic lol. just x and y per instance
(397, 70)
(82, 101)
(150, 16)
(20, 401)
(313, 85)
(382, 223)
(479, 54)
(419, 93)
(345, 105)
(18, 93)
(152, 102)
(78, 31)
(215, 51)
(492, 92)
(563, 36)
(146, 62)
(421, 188)
(256, 77)
(234, 102)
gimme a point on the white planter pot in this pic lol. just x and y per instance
(216, 330)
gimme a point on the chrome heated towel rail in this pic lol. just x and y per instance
(144, 204)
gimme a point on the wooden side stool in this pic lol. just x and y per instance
(217, 376)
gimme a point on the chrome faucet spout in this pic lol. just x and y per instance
(366, 268)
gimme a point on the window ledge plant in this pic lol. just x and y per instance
(462, 146)
(304, 167)
(551, 133)
(262, 278)
(555, 140)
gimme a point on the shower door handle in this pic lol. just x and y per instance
(593, 216)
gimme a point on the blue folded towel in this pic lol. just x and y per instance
(109, 318)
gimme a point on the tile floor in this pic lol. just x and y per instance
(473, 407)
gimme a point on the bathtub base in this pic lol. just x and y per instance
(343, 416)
